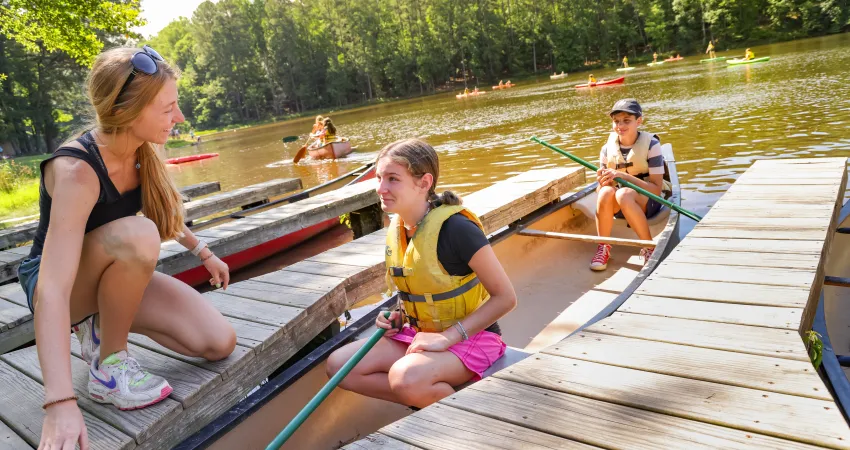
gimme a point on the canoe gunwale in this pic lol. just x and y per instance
(835, 378)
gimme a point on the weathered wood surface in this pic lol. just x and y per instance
(705, 354)
(214, 204)
(26, 231)
(274, 315)
(224, 240)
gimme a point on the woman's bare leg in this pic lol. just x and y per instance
(633, 206)
(420, 379)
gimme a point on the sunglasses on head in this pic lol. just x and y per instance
(143, 61)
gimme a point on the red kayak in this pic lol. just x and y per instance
(190, 158)
(602, 83)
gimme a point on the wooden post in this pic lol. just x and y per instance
(367, 220)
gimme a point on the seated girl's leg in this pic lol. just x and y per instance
(370, 376)
(606, 207)
(420, 379)
(633, 206)
(175, 315)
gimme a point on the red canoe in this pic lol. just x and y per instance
(602, 83)
(190, 158)
(199, 275)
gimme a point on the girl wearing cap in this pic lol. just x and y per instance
(92, 261)
(634, 156)
(451, 287)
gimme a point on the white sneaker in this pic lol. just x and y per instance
(120, 380)
(88, 333)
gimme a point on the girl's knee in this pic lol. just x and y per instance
(134, 239)
(626, 195)
(222, 345)
(335, 362)
(606, 194)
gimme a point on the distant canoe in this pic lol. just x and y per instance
(602, 83)
(735, 62)
(674, 59)
(558, 76)
(190, 158)
(625, 69)
(332, 150)
(471, 94)
(504, 86)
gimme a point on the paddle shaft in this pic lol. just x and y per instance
(623, 182)
(326, 389)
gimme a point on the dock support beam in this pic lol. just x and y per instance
(367, 220)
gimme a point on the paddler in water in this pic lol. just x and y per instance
(591, 79)
(635, 156)
(626, 62)
(710, 50)
(748, 55)
(655, 58)
(317, 129)
(436, 246)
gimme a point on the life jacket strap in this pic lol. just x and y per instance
(429, 298)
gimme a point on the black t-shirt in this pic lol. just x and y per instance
(457, 243)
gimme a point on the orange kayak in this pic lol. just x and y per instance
(504, 86)
(190, 158)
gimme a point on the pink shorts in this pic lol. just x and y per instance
(477, 354)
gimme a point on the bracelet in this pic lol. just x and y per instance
(462, 330)
(61, 400)
(208, 256)
(197, 250)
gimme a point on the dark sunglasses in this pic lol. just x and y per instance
(143, 61)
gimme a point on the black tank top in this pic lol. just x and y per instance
(111, 205)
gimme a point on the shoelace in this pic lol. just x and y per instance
(132, 367)
(600, 253)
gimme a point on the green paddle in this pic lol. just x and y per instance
(289, 139)
(643, 191)
(326, 389)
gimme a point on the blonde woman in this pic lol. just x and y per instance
(92, 260)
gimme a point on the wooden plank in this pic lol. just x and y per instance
(20, 409)
(619, 281)
(201, 189)
(788, 189)
(802, 279)
(818, 223)
(362, 247)
(719, 336)
(758, 316)
(695, 244)
(587, 238)
(272, 293)
(11, 315)
(286, 277)
(599, 423)
(750, 233)
(375, 441)
(238, 361)
(778, 198)
(224, 201)
(9, 440)
(798, 261)
(738, 209)
(252, 310)
(443, 427)
(140, 424)
(794, 418)
(19, 234)
(570, 319)
(351, 259)
(190, 383)
(17, 336)
(14, 293)
(718, 291)
(323, 268)
(736, 369)
(803, 180)
(253, 334)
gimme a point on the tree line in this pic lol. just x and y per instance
(244, 61)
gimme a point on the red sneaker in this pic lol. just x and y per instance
(600, 260)
(646, 253)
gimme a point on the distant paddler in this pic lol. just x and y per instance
(748, 55)
(451, 288)
(625, 62)
(655, 58)
(591, 79)
(710, 50)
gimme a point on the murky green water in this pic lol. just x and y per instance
(718, 118)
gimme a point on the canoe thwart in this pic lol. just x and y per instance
(588, 238)
(836, 281)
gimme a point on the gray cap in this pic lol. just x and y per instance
(627, 105)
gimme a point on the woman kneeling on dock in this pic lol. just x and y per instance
(92, 261)
(452, 289)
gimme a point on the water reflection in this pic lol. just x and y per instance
(719, 119)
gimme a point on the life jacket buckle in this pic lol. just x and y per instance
(400, 272)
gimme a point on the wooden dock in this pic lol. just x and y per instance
(274, 316)
(707, 353)
(16, 327)
(25, 232)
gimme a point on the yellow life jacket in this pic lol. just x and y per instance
(636, 163)
(432, 300)
(328, 138)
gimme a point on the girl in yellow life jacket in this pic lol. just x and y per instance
(452, 289)
(328, 133)
(625, 61)
(748, 55)
(591, 79)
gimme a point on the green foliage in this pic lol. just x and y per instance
(70, 26)
(814, 344)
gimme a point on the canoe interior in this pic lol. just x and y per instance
(548, 275)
